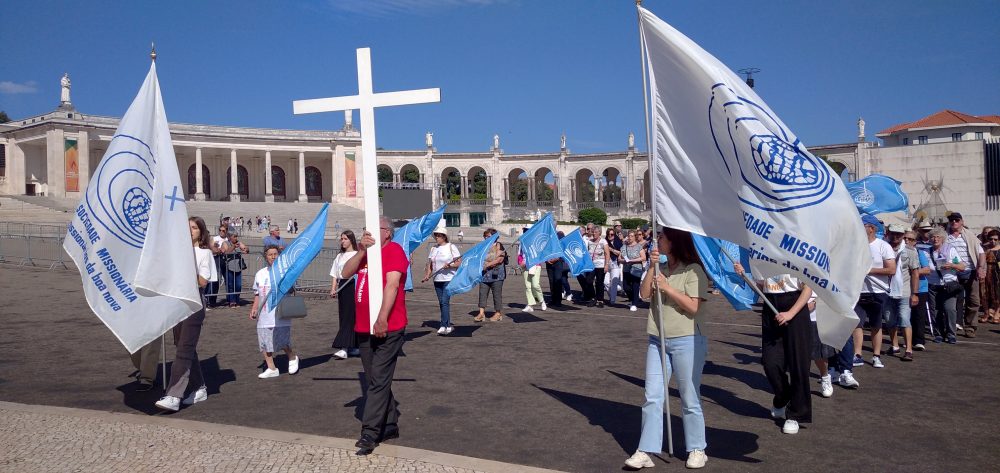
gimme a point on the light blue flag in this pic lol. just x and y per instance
(413, 234)
(877, 194)
(541, 243)
(576, 254)
(470, 272)
(296, 256)
(720, 269)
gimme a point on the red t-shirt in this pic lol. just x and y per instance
(393, 260)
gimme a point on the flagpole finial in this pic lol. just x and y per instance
(152, 53)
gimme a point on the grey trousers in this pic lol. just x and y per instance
(968, 302)
(146, 360)
(186, 370)
(378, 356)
(484, 290)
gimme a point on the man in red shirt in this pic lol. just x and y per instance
(381, 347)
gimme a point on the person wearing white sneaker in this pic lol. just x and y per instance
(682, 286)
(638, 460)
(199, 395)
(342, 289)
(532, 283)
(186, 369)
(442, 265)
(272, 333)
(820, 352)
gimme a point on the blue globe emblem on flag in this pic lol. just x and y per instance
(135, 207)
(118, 198)
(574, 251)
(536, 246)
(777, 172)
(863, 198)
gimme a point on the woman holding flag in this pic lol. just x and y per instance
(682, 286)
(442, 262)
(494, 274)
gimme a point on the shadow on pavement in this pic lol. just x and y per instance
(213, 375)
(524, 317)
(752, 379)
(623, 422)
(460, 330)
(314, 361)
(751, 348)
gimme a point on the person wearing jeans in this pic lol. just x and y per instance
(943, 281)
(633, 257)
(442, 264)
(676, 320)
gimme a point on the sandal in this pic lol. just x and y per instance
(481, 317)
(496, 317)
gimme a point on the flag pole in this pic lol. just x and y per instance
(652, 221)
(752, 284)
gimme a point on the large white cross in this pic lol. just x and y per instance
(366, 101)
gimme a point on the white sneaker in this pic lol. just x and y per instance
(639, 460)
(340, 354)
(528, 308)
(633, 309)
(448, 330)
(169, 403)
(569, 298)
(269, 373)
(696, 459)
(826, 386)
(834, 375)
(790, 427)
(442, 330)
(293, 365)
(777, 412)
(847, 380)
(877, 362)
(544, 307)
(201, 394)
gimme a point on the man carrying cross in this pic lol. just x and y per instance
(381, 318)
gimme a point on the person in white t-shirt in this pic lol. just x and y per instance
(874, 293)
(346, 341)
(442, 263)
(272, 333)
(944, 285)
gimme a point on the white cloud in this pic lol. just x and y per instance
(381, 8)
(8, 87)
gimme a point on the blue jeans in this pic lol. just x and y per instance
(234, 285)
(444, 302)
(843, 361)
(686, 357)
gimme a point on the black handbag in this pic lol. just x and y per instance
(236, 264)
(949, 288)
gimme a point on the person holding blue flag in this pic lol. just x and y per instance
(494, 274)
(273, 333)
(442, 262)
(413, 234)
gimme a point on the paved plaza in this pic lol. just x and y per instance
(558, 390)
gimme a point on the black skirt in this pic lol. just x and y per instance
(346, 337)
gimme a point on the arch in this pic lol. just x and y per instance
(517, 185)
(544, 184)
(385, 174)
(409, 174)
(242, 181)
(314, 182)
(206, 181)
(451, 183)
(585, 190)
(278, 187)
(612, 185)
(477, 183)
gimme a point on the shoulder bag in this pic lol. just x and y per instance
(950, 287)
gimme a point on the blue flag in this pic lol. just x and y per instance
(297, 255)
(470, 272)
(414, 233)
(541, 243)
(720, 269)
(878, 193)
(575, 253)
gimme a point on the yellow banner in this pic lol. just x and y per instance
(350, 171)
(72, 159)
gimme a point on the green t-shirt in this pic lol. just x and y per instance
(690, 280)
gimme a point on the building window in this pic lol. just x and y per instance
(452, 219)
(906, 141)
(956, 137)
(979, 135)
(477, 219)
(3, 160)
(922, 139)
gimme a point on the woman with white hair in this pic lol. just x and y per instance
(944, 285)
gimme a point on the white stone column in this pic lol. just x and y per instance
(506, 189)
(268, 178)
(489, 187)
(464, 191)
(83, 148)
(55, 162)
(234, 177)
(302, 177)
(15, 184)
(199, 176)
(597, 189)
(333, 175)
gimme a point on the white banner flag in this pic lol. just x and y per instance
(130, 236)
(726, 167)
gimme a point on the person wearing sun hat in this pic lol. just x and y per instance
(903, 289)
(442, 264)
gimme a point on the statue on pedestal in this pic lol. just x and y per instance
(496, 141)
(861, 129)
(65, 83)
(562, 141)
(631, 140)
(348, 119)
(429, 139)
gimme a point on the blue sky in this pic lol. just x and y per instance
(528, 70)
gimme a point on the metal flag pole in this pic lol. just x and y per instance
(652, 220)
(752, 284)
(163, 359)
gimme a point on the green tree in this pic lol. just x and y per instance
(411, 175)
(479, 184)
(519, 190)
(3, 117)
(587, 191)
(453, 185)
(384, 174)
(592, 215)
(611, 193)
(543, 191)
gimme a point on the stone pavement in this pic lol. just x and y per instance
(58, 439)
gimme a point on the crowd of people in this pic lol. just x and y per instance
(926, 284)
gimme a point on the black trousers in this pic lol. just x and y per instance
(918, 320)
(557, 277)
(786, 356)
(378, 356)
(594, 283)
